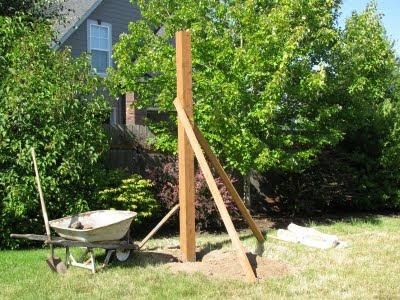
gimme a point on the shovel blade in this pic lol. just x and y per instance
(56, 265)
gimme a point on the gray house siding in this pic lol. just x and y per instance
(116, 12)
(125, 120)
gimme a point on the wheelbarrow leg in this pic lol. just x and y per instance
(84, 255)
(67, 258)
(107, 259)
(88, 264)
(93, 262)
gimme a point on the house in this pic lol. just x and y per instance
(94, 26)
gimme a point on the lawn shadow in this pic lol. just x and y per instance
(143, 259)
(212, 246)
(155, 257)
(265, 222)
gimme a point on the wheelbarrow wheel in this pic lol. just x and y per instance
(122, 254)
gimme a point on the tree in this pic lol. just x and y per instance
(275, 83)
(260, 76)
(51, 102)
(367, 81)
(365, 70)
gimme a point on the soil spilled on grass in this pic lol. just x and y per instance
(223, 264)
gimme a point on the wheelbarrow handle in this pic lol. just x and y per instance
(39, 187)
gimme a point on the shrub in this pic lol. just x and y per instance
(165, 178)
(345, 178)
(133, 193)
(51, 102)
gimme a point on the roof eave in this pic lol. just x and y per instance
(78, 23)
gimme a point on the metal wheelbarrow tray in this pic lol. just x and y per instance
(99, 225)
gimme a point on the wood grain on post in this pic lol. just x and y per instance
(243, 259)
(229, 186)
(185, 152)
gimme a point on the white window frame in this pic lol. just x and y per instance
(113, 116)
(89, 47)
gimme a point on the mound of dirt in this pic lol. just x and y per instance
(224, 264)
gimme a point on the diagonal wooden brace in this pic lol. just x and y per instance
(243, 259)
(229, 186)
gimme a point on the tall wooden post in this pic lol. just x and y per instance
(185, 152)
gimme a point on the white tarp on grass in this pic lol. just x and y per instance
(309, 237)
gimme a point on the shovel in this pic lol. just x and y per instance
(54, 262)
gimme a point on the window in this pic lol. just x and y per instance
(117, 112)
(99, 45)
(113, 117)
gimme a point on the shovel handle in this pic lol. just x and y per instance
(39, 187)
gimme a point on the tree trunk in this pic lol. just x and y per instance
(246, 189)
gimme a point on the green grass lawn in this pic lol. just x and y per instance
(368, 268)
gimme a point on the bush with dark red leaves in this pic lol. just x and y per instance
(165, 179)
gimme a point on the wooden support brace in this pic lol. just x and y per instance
(229, 186)
(243, 259)
(161, 223)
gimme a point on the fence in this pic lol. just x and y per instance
(129, 148)
(128, 136)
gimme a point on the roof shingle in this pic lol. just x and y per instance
(74, 12)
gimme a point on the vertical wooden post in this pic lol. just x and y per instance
(185, 152)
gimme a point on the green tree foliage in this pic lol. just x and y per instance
(261, 72)
(274, 84)
(362, 171)
(368, 84)
(366, 67)
(48, 101)
(133, 193)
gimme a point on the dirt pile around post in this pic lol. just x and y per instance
(224, 264)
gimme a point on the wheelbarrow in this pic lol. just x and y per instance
(104, 229)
